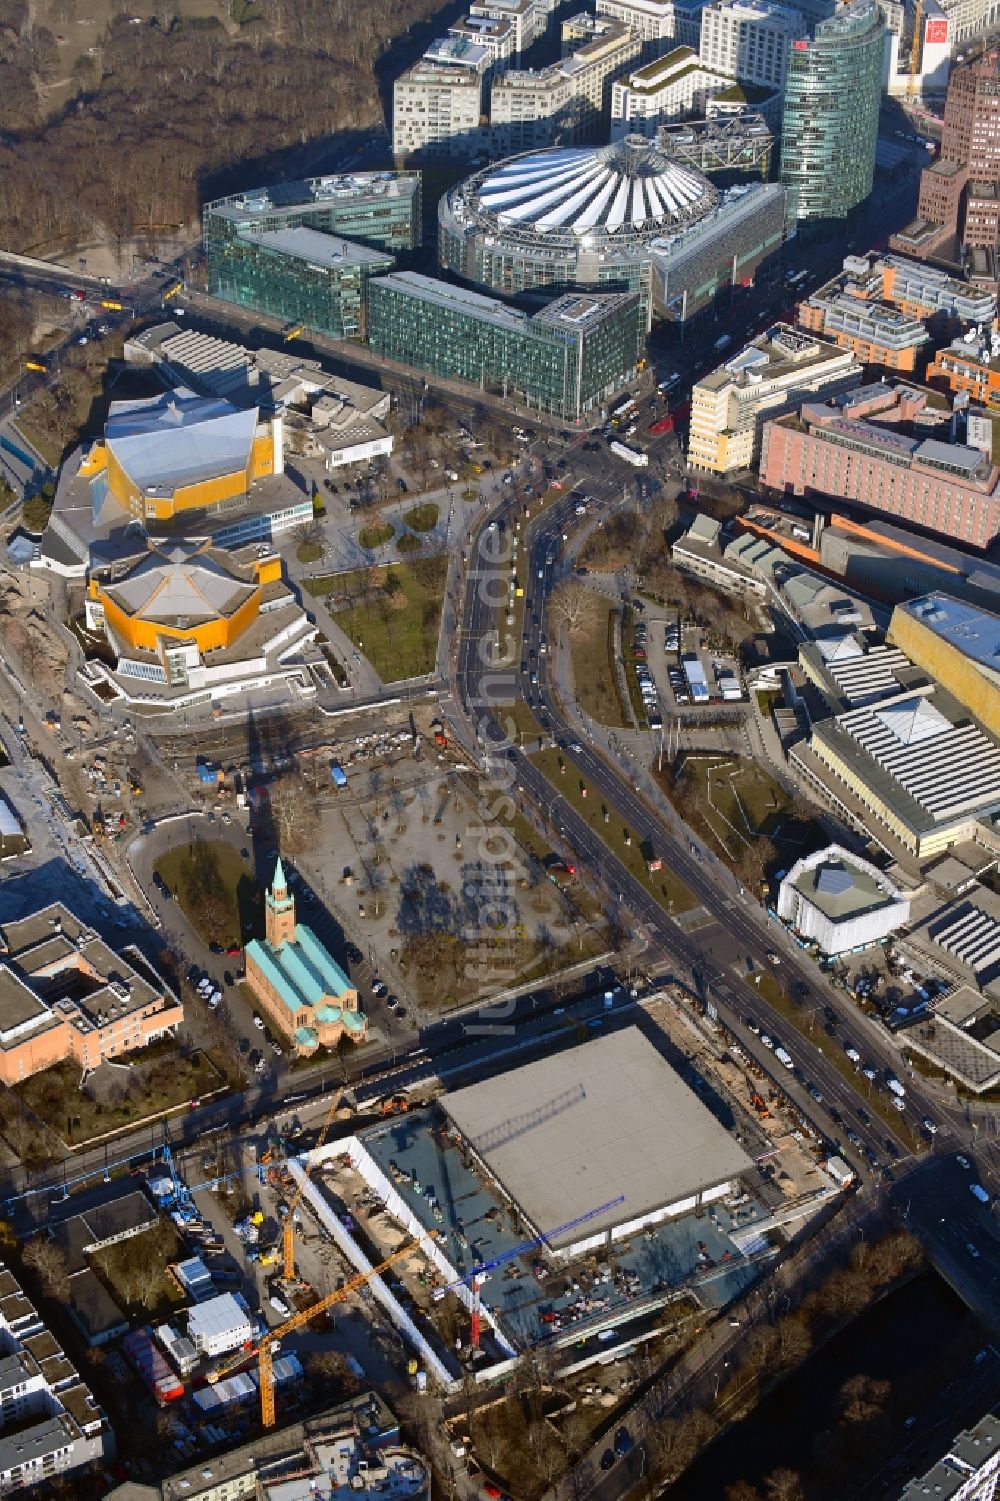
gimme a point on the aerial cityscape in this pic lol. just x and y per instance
(500, 750)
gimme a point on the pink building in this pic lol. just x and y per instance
(881, 447)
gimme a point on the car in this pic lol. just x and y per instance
(233, 951)
(276, 1048)
(392, 1001)
(608, 1460)
(215, 948)
(400, 1013)
(816, 1094)
(767, 1041)
(379, 987)
(972, 1250)
(854, 1138)
(929, 1126)
(753, 1026)
(863, 1116)
(623, 1442)
(830, 1014)
(963, 1162)
(215, 999)
(244, 854)
(258, 1022)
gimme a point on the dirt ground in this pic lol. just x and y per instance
(452, 909)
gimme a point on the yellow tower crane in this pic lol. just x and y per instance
(915, 51)
(288, 1233)
(264, 1350)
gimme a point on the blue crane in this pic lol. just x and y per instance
(477, 1273)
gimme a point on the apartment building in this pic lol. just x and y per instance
(659, 24)
(971, 365)
(885, 447)
(528, 18)
(750, 39)
(663, 91)
(437, 109)
(969, 1471)
(58, 1428)
(496, 37)
(773, 374)
(65, 994)
(876, 333)
(567, 102)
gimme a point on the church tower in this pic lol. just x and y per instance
(279, 911)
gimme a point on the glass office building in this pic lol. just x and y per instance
(566, 359)
(302, 251)
(300, 276)
(377, 208)
(830, 126)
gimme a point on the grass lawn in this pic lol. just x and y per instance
(593, 668)
(376, 535)
(399, 633)
(739, 804)
(671, 893)
(309, 552)
(522, 721)
(161, 1078)
(218, 895)
(422, 518)
(33, 427)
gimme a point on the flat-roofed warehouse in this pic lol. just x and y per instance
(569, 1133)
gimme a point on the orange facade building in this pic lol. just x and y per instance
(66, 995)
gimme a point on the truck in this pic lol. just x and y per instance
(633, 456)
(784, 1058)
(723, 342)
(896, 1087)
(649, 855)
(840, 1172)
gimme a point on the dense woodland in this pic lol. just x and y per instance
(170, 105)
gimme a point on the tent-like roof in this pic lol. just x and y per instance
(626, 191)
(181, 582)
(178, 439)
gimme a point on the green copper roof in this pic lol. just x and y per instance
(279, 883)
(302, 972)
(329, 1014)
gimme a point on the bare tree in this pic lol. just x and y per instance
(784, 1485)
(43, 1257)
(574, 604)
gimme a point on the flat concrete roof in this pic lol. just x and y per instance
(569, 1133)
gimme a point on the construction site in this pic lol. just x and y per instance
(568, 1202)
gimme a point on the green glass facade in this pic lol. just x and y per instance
(375, 208)
(830, 127)
(300, 276)
(565, 360)
(243, 235)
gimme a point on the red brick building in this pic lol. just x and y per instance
(874, 446)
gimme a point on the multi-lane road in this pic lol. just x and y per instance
(732, 922)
